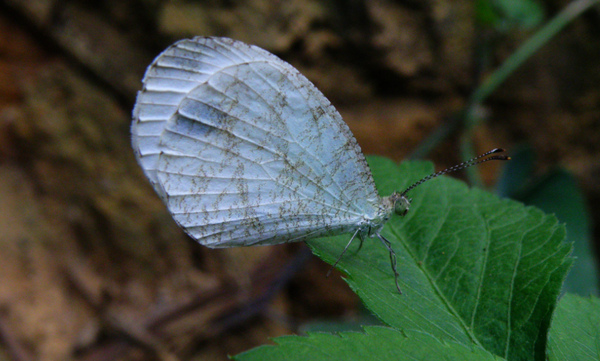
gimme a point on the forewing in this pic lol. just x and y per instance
(244, 150)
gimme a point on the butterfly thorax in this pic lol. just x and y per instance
(396, 203)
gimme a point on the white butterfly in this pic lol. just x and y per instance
(244, 150)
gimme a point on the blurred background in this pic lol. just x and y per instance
(92, 267)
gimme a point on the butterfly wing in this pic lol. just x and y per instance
(245, 150)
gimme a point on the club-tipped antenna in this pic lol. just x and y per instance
(485, 157)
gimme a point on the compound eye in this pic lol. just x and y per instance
(401, 205)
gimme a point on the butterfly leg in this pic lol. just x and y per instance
(360, 238)
(388, 245)
(344, 251)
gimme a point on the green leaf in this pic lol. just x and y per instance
(357, 323)
(375, 343)
(476, 270)
(486, 13)
(505, 14)
(556, 192)
(575, 333)
(524, 13)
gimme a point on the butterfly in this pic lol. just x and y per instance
(244, 150)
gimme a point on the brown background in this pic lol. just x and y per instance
(91, 265)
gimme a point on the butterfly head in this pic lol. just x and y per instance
(400, 203)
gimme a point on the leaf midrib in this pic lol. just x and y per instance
(434, 285)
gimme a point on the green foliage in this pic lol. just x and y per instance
(505, 14)
(575, 333)
(556, 192)
(480, 276)
(375, 343)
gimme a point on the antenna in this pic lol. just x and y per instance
(471, 162)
